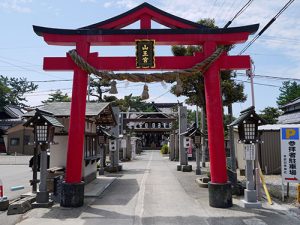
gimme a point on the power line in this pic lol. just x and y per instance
(238, 13)
(267, 26)
(24, 68)
(269, 85)
(272, 77)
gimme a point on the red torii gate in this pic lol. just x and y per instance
(182, 32)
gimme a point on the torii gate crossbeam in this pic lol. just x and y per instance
(183, 32)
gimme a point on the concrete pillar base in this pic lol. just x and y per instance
(120, 167)
(112, 169)
(186, 168)
(4, 204)
(250, 199)
(42, 197)
(101, 171)
(42, 205)
(220, 195)
(179, 167)
(72, 195)
(198, 171)
(253, 205)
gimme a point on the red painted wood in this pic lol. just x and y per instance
(145, 22)
(241, 62)
(160, 39)
(77, 120)
(135, 16)
(128, 63)
(214, 111)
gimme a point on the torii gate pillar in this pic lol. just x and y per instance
(73, 187)
(182, 32)
(219, 188)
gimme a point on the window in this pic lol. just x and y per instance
(91, 146)
(14, 141)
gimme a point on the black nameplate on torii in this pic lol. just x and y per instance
(145, 56)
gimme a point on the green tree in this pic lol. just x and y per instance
(98, 87)
(191, 117)
(133, 103)
(193, 86)
(270, 114)
(57, 96)
(12, 90)
(288, 92)
(226, 122)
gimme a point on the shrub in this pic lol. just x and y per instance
(164, 149)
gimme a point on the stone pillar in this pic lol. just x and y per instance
(250, 198)
(42, 196)
(114, 155)
(128, 147)
(176, 147)
(172, 147)
(183, 157)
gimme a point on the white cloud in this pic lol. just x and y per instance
(19, 6)
(88, 1)
(129, 4)
(284, 32)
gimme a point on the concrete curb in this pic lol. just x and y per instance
(98, 186)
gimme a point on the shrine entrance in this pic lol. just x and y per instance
(111, 32)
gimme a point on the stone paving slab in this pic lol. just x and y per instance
(98, 186)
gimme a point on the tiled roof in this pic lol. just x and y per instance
(276, 126)
(63, 108)
(289, 118)
(296, 101)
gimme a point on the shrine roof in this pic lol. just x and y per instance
(113, 25)
(60, 109)
(46, 30)
(151, 9)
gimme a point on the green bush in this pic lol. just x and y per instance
(164, 149)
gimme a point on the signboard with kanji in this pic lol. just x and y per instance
(249, 153)
(145, 57)
(290, 154)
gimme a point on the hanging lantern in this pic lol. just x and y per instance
(178, 87)
(113, 88)
(145, 94)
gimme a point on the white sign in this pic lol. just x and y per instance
(249, 152)
(290, 154)
(112, 145)
(186, 142)
(123, 143)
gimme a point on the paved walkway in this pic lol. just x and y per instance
(151, 191)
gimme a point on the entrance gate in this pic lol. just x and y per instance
(210, 61)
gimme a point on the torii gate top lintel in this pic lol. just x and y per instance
(181, 31)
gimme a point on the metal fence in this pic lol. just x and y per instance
(269, 152)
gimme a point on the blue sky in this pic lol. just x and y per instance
(276, 53)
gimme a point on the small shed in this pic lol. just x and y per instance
(96, 113)
(270, 147)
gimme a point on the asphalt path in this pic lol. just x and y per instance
(150, 191)
(15, 175)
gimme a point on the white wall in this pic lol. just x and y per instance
(239, 152)
(58, 152)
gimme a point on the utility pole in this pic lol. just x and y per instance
(250, 74)
(232, 147)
